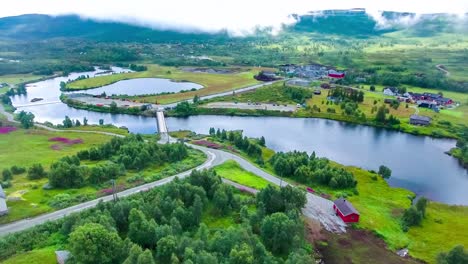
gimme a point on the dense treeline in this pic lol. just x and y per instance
(299, 95)
(347, 93)
(311, 170)
(253, 148)
(131, 153)
(165, 225)
(461, 150)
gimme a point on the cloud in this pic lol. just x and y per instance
(239, 17)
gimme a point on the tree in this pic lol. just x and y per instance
(77, 123)
(411, 217)
(184, 109)
(262, 141)
(26, 119)
(133, 255)
(421, 205)
(85, 121)
(65, 175)
(380, 116)
(101, 122)
(385, 172)
(196, 99)
(113, 107)
(166, 246)
(241, 254)
(146, 258)
(372, 88)
(277, 232)
(93, 243)
(67, 122)
(7, 175)
(141, 230)
(457, 255)
(36, 171)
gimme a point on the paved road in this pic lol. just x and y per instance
(317, 207)
(262, 106)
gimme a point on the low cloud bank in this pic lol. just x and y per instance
(238, 17)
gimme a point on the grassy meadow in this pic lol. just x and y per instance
(212, 83)
(231, 170)
(28, 198)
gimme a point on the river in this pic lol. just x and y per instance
(418, 163)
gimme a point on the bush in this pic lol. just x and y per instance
(36, 171)
(17, 170)
(7, 175)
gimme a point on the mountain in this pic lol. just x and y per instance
(37, 27)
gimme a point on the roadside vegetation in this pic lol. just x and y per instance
(169, 225)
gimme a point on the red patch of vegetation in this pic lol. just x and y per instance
(66, 140)
(7, 129)
(108, 191)
(207, 144)
(56, 147)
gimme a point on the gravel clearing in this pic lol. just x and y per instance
(321, 209)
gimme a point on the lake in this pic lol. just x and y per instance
(143, 86)
(418, 163)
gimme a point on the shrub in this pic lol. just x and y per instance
(17, 170)
(36, 171)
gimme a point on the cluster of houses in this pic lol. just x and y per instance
(311, 72)
(428, 100)
(3, 205)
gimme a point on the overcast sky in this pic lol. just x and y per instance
(238, 16)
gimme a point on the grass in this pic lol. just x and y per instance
(26, 147)
(212, 83)
(231, 170)
(103, 128)
(19, 78)
(382, 206)
(37, 256)
(31, 199)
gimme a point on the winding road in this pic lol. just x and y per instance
(317, 208)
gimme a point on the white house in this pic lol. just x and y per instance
(391, 91)
(3, 205)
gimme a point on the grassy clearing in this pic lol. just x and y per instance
(19, 78)
(231, 170)
(30, 199)
(37, 256)
(212, 83)
(381, 207)
(104, 128)
(26, 147)
(272, 93)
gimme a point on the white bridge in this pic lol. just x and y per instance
(162, 126)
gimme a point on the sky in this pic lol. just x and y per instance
(237, 16)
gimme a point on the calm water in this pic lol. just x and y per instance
(143, 86)
(418, 163)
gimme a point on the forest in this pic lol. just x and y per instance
(168, 225)
(307, 169)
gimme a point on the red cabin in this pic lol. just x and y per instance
(335, 74)
(346, 211)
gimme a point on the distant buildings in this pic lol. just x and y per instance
(420, 120)
(267, 76)
(311, 71)
(391, 91)
(3, 205)
(299, 82)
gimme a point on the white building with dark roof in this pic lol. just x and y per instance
(3, 205)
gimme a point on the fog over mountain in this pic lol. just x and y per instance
(236, 17)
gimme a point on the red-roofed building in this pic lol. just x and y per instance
(335, 74)
(346, 211)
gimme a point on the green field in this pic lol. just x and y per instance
(440, 230)
(28, 198)
(19, 78)
(212, 83)
(37, 256)
(231, 170)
